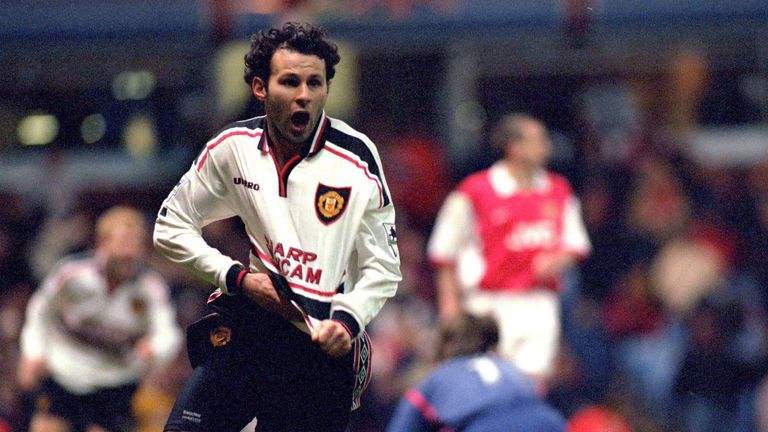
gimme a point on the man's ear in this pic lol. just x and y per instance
(259, 89)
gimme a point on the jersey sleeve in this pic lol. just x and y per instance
(164, 333)
(62, 297)
(375, 268)
(201, 197)
(452, 231)
(575, 238)
(33, 334)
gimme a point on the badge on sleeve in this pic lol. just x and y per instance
(330, 202)
(391, 237)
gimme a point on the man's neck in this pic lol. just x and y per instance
(283, 149)
(523, 175)
(285, 152)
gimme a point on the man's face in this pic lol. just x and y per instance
(124, 248)
(534, 148)
(294, 97)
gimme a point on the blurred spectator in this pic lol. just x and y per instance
(690, 266)
(97, 323)
(714, 378)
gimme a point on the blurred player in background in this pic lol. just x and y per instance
(502, 240)
(473, 389)
(97, 323)
(284, 341)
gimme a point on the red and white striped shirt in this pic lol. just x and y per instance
(492, 230)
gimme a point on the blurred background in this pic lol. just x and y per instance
(659, 116)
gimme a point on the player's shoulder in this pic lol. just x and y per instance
(154, 284)
(76, 271)
(475, 181)
(340, 133)
(248, 128)
(75, 263)
(342, 127)
(559, 182)
(221, 145)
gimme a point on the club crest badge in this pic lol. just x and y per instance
(220, 336)
(330, 202)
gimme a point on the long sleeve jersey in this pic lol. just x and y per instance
(76, 296)
(324, 221)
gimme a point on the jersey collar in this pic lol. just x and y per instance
(506, 185)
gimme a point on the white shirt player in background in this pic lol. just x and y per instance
(503, 239)
(95, 325)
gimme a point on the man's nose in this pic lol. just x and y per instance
(303, 92)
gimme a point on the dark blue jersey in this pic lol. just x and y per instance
(477, 393)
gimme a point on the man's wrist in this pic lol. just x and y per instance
(234, 279)
(348, 322)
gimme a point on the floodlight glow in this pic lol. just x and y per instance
(37, 129)
(140, 136)
(136, 85)
(93, 128)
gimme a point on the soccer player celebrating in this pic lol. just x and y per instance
(284, 341)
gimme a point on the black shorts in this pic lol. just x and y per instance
(267, 369)
(109, 408)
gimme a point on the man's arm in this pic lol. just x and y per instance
(377, 269)
(163, 340)
(32, 366)
(449, 293)
(202, 196)
(574, 245)
(199, 198)
(451, 235)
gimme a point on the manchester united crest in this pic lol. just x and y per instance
(220, 336)
(330, 202)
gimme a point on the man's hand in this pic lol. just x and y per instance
(550, 265)
(259, 288)
(449, 295)
(142, 349)
(332, 337)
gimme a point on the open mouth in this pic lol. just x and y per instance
(300, 119)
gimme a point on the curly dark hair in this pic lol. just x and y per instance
(300, 37)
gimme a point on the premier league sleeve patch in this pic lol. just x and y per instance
(391, 231)
(330, 202)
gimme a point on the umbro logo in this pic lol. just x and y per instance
(245, 183)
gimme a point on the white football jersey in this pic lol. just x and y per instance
(75, 295)
(325, 220)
